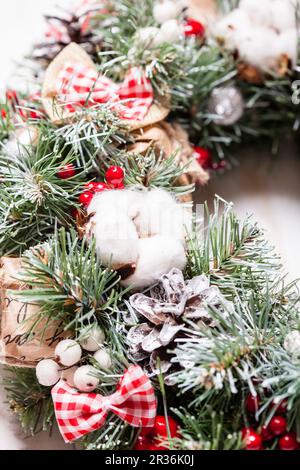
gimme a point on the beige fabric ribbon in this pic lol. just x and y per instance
(17, 348)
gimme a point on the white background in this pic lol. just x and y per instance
(266, 186)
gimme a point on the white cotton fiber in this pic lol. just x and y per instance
(157, 256)
(144, 229)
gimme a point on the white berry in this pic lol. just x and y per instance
(170, 31)
(68, 352)
(68, 375)
(166, 10)
(93, 338)
(103, 359)
(47, 372)
(85, 380)
(147, 36)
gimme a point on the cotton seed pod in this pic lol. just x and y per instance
(68, 352)
(93, 339)
(103, 359)
(85, 380)
(47, 372)
(166, 10)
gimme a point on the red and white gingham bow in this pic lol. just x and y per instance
(78, 413)
(79, 85)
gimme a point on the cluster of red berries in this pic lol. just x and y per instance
(114, 180)
(275, 429)
(154, 438)
(193, 28)
(204, 158)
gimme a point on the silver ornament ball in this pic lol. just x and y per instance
(226, 104)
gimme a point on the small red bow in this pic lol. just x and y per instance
(79, 85)
(78, 413)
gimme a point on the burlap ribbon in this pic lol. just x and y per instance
(17, 346)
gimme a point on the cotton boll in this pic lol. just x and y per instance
(68, 352)
(93, 338)
(157, 256)
(258, 11)
(47, 372)
(283, 15)
(258, 48)
(160, 214)
(85, 379)
(113, 227)
(229, 28)
(170, 31)
(68, 375)
(103, 359)
(166, 10)
(287, 44)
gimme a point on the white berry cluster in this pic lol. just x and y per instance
(68, 353)
(262, 31)
(166, 13)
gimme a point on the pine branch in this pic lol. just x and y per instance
(93, 137)
(207, 430)
(33, 198)
(66, 279)
(231, 252)
(152, 171)
(184, 72)
(29, 400)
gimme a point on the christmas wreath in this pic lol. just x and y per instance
(126, 319)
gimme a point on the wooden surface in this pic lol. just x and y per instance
(263, 185)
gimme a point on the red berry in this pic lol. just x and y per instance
(66, 172)
(288, 442)
(90, 186)
(204, 157)
(34, 115)
(11, 95)
(253, 440)
(115, 175)
(99, 187)
(147, 432)
(278, 425)
(142, 443)
(3, 113)
(194, 28)
(252, 403)
(266, 433)
(85, 198)
(280, 408)
(160, 427)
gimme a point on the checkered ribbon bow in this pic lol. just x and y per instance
(78, 413)
(79, 85)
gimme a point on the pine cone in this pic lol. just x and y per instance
(64, 29)
(169, 306)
